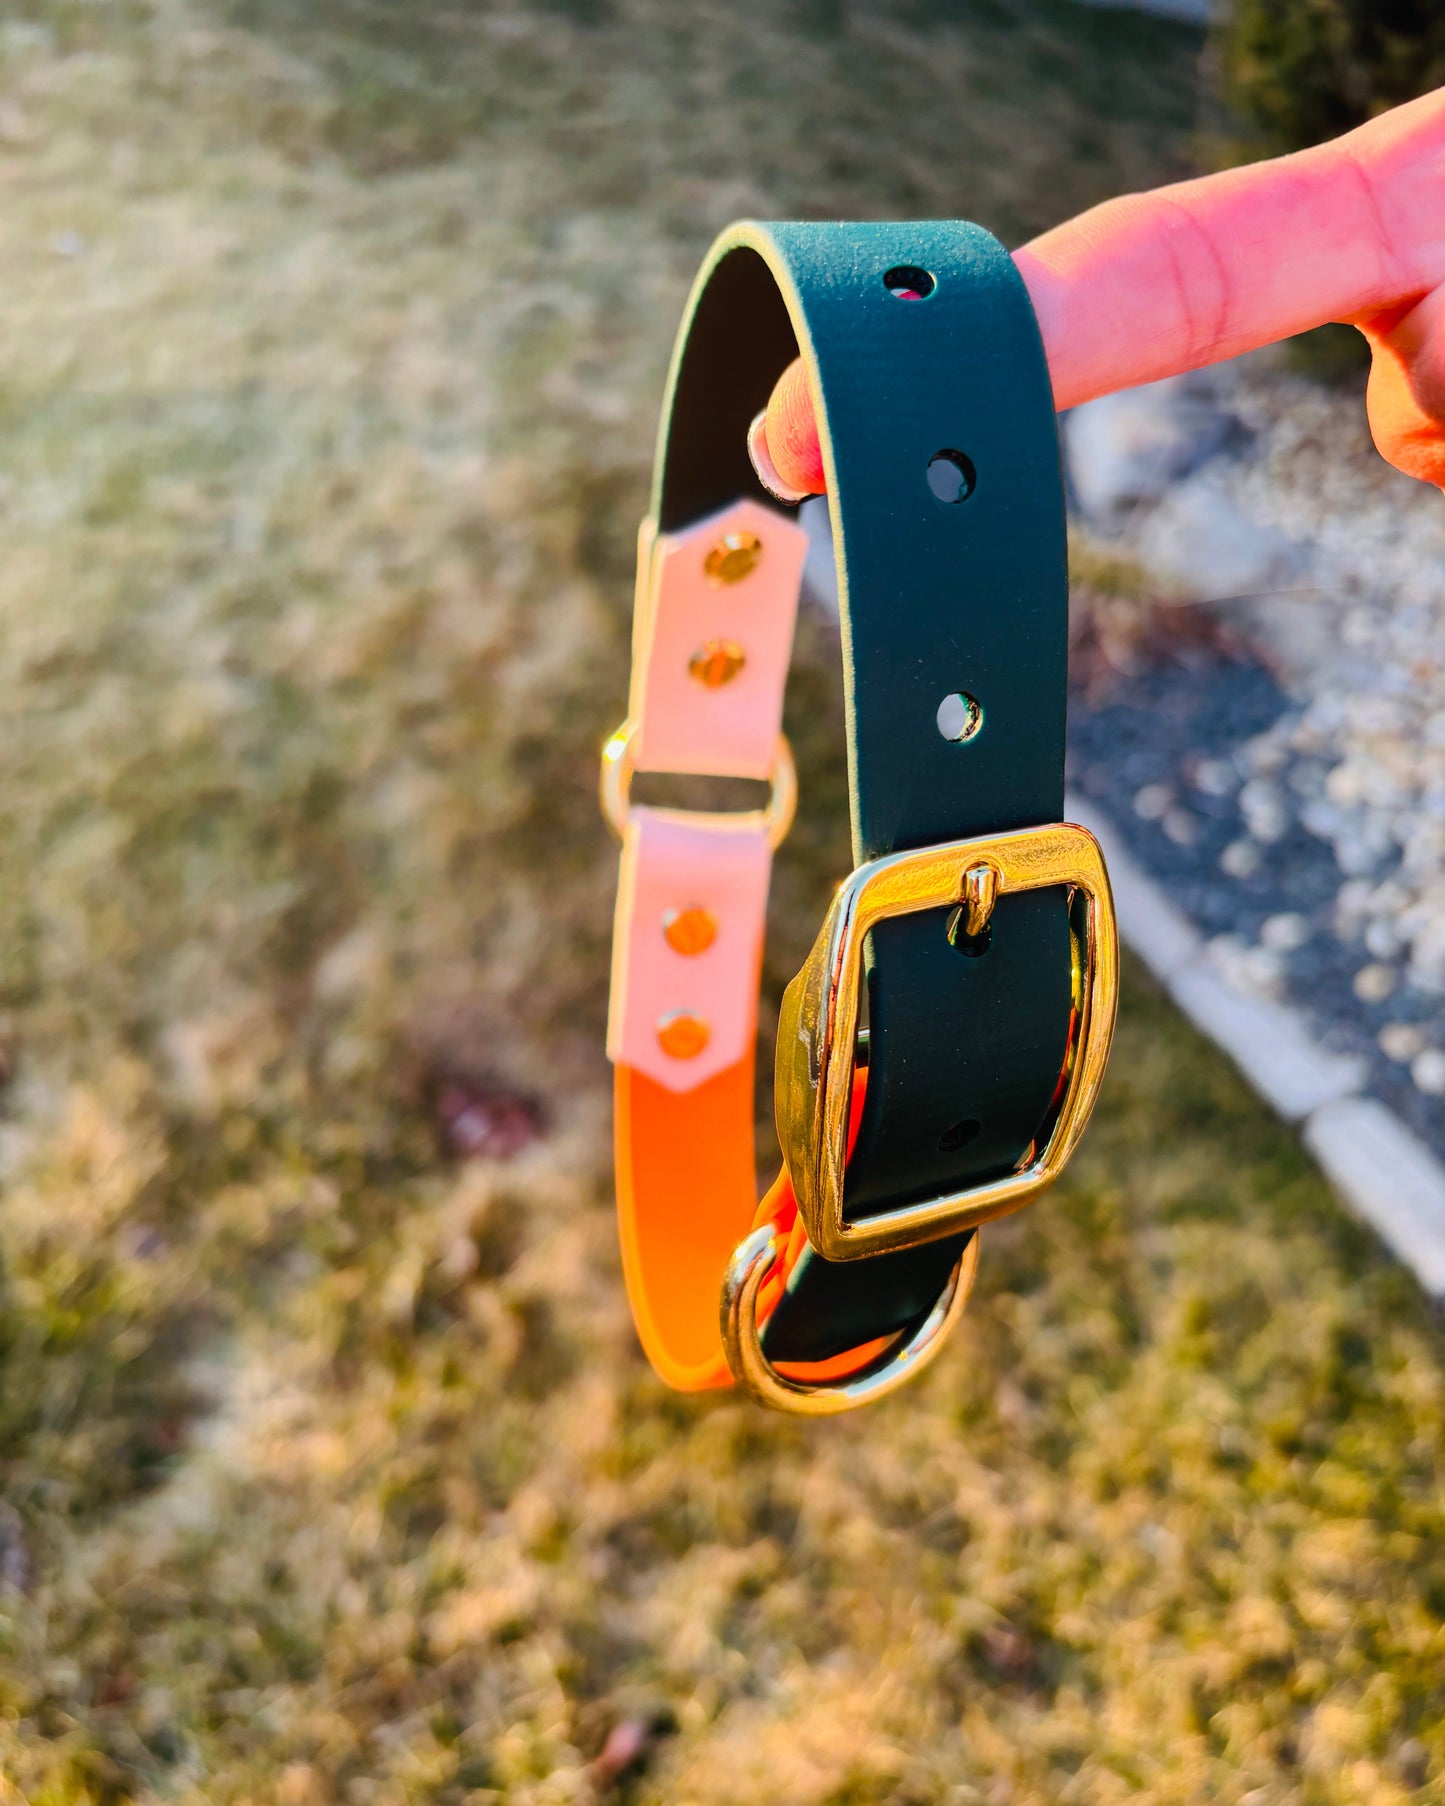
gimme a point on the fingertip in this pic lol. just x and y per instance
(1411, 442)
(792, 432)
(1406, 394)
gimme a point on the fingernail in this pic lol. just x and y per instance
(763, 464)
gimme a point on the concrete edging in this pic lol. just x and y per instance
(1378, 1167)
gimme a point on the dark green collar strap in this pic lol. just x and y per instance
(941, 455)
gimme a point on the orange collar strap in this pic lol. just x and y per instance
(712, 640)
(716, 606)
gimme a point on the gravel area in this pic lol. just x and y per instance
(1293, 799)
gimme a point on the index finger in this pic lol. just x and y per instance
(1152, 284)
(1149, 285)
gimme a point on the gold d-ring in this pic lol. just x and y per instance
(754, 1372)
(616, 786)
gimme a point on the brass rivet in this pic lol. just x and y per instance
(682, 1035)
(691, 930)
(734, 557)
(716, 663)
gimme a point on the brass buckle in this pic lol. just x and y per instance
(818, 1027)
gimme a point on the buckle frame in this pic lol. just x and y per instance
(818, 1027)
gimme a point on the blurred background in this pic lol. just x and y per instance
(329, 1467)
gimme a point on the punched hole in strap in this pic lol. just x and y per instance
(959, 717)
(909, 282)
(952, 475)
(971, 946)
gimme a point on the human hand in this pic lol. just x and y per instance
(1152, 284)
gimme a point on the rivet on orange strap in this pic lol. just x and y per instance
(682, 1035)
(689, 931)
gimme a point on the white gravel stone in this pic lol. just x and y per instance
(1264, 810)
(1134, 447)
(1381, 939)
(1374, 983)
(1401, 1041)
(1214, 777)
(1152, 801)
(1284, 933)
(1197, 540)
(1181, 827)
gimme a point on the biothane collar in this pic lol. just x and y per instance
(977, 931)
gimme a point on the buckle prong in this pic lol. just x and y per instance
(980, 893)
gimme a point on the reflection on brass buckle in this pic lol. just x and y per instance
(818, 1027)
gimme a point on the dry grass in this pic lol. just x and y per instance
(333, 335)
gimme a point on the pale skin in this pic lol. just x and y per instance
(1153, 284)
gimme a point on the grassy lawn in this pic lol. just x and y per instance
(329, 1468)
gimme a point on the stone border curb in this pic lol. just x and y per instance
(1381, 1171)
(1386, 1176)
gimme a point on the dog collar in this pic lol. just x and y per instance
(977, 929)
